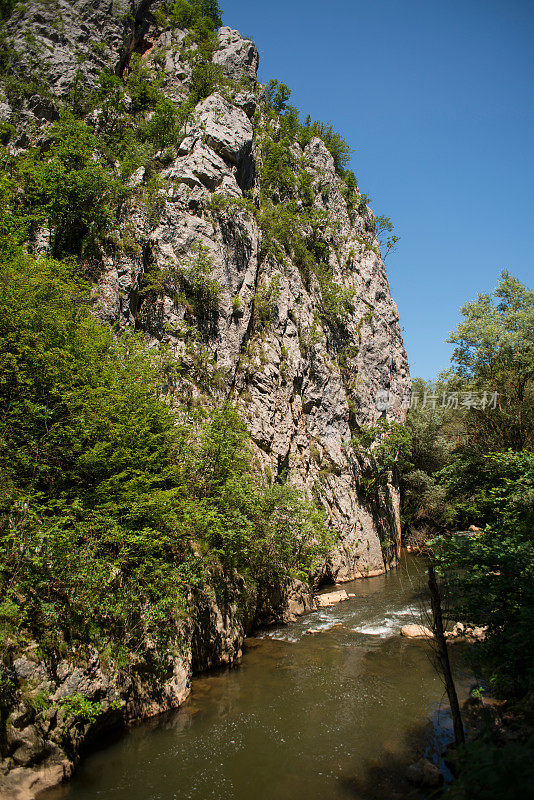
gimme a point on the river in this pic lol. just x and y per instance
(333, 714)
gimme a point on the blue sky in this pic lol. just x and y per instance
(436, 97)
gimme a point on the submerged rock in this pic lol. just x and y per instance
(331, 598)
(424, 773)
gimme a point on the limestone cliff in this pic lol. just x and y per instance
(246, 252)
(305, 380)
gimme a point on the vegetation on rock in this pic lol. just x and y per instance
(115, 503)
(131, 492)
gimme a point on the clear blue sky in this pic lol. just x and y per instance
(436, 97)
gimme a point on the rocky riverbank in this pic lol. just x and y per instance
(59, 708)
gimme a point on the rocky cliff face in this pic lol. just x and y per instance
(271, 295)
(305, 387)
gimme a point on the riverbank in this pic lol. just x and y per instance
(60, 708)
(333, 705)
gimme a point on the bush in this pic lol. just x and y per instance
(276, 95)
(142, 87)
(490, 575)
(164, 126)
(190, 284)
(277, 170)
(106, 496)
(490, 771)
(187, 15)
(71, 188)
(378, 448)
(339, 149)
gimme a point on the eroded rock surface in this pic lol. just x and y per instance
(303, 394)
(304, 387)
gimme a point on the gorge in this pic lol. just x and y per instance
(209, 223)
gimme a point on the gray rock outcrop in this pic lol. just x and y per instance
(303, 395)
(304, 383)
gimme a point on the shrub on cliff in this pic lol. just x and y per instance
(70, 188)
(115, 503)
(185, 15)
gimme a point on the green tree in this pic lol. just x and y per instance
(490, 576)
(183, 14)
(116, 504)
(494, 352)
(71, 189)
(388, 243)
(276, 95)
(379, 448)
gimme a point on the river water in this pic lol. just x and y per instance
(332, 707)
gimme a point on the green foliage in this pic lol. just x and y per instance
(475, 466)
(85, 432)
(339, 149)
(289, 129)
(447, 474)
(336, 303)
(80, 709)
(294, 535)
(349, 190)
(434, 435)
(110, 493)
(378, 448)
(265, 307)
(142, 86)
(70, 188)
(299, 235)
(276, 95)
(190, 284)
(388, 243)
(201, 18)
(491, 574)
(491, 770)
(495, 352)
(37, 700)
(205, 78)
(278, 177)
(194, 14)
(486, 488)
(220, 202)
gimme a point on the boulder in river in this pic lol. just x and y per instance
(416, 632)
(467, 632)
(331, 598)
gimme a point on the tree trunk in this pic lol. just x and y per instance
(443, 656)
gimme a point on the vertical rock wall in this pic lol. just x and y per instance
(303, 389)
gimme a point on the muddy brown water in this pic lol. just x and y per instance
(335, 714)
